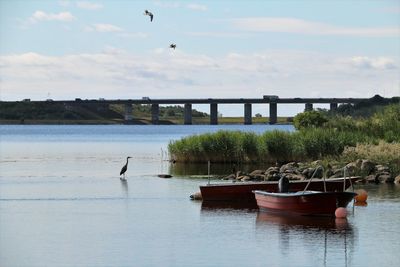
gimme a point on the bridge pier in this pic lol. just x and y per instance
(273, 111)
(128, 113)
(309, 107)
(155, 111)
(188, 114)
(213, 114)
(247, 114)
(333, 106)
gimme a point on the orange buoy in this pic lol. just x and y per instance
(361, 196)
(340, 212)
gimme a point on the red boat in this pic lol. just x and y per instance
(303, 202)
(243, 191)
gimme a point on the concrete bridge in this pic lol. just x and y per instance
(271, 100)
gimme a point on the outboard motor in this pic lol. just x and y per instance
(283, 185)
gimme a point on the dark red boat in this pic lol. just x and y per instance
(303, 202)
(243, 191)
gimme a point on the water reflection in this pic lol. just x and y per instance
(240, 205)
(124, 186)
(336, 234)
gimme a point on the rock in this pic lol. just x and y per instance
(329, 172)
(229, 177)
(308, 173)
(384, 178)
(272, 170)
(239, 173)
(352, 168)
(371, 179)
(397, 179)
(380, 168)
(273, 177)
(244, 178)
(257, 172)
(292, 176)
(367, 166)
(258, 177)
(337, 173)
(290, 167)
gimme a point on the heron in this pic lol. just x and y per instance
(124, 168)
(148, 13)
(172, 46)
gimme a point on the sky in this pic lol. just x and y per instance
(237, 49)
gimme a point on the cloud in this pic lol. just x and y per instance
(380, 63)
(163, 73)
(88, 5)
(218, 34)
(43, 16)
(300, 26)
(102, 27)
(197, 7)
(390, 10)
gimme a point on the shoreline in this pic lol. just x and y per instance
(121, 122)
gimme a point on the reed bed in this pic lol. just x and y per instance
(382, 153)
(333, 138)
(269, 147)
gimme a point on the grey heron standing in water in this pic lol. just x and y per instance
(124, 168)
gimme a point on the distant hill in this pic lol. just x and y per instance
(365, 108)
(55, 112)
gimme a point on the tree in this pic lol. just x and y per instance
(309, 119)
(258, 115)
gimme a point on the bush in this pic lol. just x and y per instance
(309, 119)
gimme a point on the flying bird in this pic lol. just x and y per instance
(124, 168)
(172, 46)
(148, 13)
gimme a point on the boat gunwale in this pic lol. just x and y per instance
(301, 193)
(328, 180)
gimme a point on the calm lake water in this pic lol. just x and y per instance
(62, 204)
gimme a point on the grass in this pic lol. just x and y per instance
(270, 147)
(382, 153)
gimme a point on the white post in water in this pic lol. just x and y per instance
(209, 165)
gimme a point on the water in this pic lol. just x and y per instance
(62, 204)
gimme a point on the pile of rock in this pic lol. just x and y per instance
(369, 171)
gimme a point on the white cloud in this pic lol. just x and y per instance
(381, 63)
(390, 10)
(102, 27)
(197, 7)
(88, 5)
(218, 34)
(43, 16)
(165, 73)
(293, 25)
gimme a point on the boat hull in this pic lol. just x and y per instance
(303, 203)
(243, 191)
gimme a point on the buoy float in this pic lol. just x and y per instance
(361, 196)
(196, 196)
(340, 212)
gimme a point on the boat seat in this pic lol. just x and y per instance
(283, 185)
